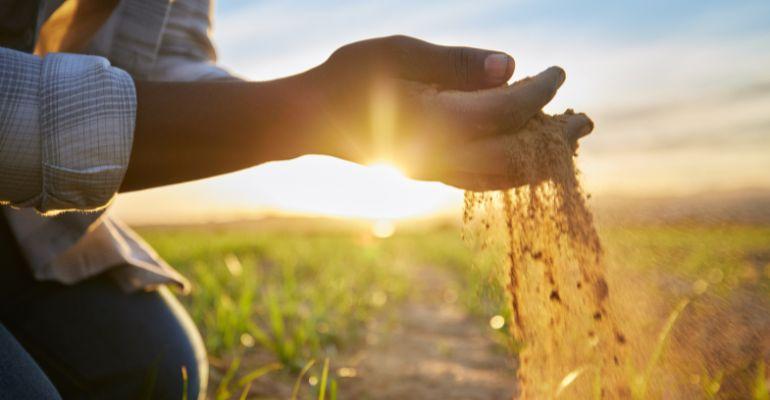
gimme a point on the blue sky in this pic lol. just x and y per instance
(679, 90)
(622, 19)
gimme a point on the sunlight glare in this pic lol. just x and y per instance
(497, 322)
(383, 228)
(384, 170)
(308, 186)
(568, 379)
(330, 186)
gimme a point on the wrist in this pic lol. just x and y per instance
(281, 114)
(302, 107)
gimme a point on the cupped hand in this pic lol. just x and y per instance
(441, 113)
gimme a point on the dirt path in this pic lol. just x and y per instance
(430, 349)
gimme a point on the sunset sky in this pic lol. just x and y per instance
(679, 92)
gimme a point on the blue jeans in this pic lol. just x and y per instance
(91, 340)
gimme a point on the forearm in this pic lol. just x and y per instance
(193, 130)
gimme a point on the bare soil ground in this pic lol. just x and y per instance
(430, 349)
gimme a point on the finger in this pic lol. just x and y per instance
(465, 68)
(505, 161)
(516, 159)
(531, 95)
(494, 157)
(481, 166)
(499, 110)
(578, 125)
(449, 67)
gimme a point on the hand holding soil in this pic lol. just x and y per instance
(441, 113)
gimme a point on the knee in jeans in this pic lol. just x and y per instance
(170, 379)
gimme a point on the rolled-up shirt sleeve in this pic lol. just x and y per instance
(66, 130)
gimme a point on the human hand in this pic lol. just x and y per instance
(441, 113)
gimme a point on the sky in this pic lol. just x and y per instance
(679, 92)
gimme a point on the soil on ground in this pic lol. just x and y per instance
(430, 348)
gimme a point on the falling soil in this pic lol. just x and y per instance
(558, 291)
(588, 331)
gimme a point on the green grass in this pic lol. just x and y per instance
(290, 296)
(296, 294)
(724, 255)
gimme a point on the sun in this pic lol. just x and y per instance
(382, 170)
(327, 186)
(306, 186)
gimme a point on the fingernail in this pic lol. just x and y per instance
(578, 125)
(561, 76)
(496, 66)
(587, 128)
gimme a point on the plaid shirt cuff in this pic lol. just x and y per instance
(87, 112)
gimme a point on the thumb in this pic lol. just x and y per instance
(404, 57)
(459, 68)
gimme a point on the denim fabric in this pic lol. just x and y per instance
(91, 340)
(20, 377)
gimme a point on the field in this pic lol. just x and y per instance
(306, 308)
